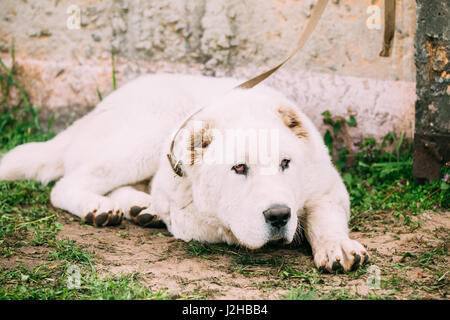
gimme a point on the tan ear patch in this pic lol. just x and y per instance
(293, 122)
(198, 142)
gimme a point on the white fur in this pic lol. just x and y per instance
(125, 140)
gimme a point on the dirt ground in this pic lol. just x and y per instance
(196, 271)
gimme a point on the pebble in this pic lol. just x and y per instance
(96, 37)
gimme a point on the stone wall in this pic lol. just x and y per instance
(61, 63)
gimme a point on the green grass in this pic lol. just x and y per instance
(46, 283)
(206, 250)
(113, 76)
(19, 123)
(25, 218)
(381, 181)
(302, 293)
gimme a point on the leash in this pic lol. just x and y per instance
(389, 11)
(389, 27)
(315, 17)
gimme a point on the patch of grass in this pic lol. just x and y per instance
(113, 65)
(208, 250)
(46, 282)
(378, 175)
(122, 287)
(25, 217)
(419, 274)
(68, 251)
(398, 194)
(302, 293)
(358, 273)
(429, 257)
(198, 293)
(339, 294)
(312, 284)
(312, 276)
(58, 275)
(394, 281)
(308, 292)
(200, 249)
(19, 123)
(253, 264)
(377, 296)
(252, 260)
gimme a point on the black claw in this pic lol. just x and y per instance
(101, 219)
(158, 224)
(115, 220)
(356, 262)
(322, 269)
(89, 219)
(336, 266)
(135, 210)
(145, 219)
(366, 258)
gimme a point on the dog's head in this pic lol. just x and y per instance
(245, 159)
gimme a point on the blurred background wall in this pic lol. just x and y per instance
(63, 52)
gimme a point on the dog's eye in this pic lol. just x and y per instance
(240, 168)
(284, 164)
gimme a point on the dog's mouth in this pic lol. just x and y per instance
(280, 240)
(277, 242)
(280, 236)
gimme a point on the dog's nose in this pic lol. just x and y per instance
(277, 215)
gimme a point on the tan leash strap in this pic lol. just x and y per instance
(315, 17)
(389, 27)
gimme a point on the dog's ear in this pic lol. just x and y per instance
(291, 119)
(199, 140)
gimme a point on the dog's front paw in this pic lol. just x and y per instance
(102, 219)
(340, 254)
(142, 217)
(101, 212)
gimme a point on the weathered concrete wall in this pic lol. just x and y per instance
(432, 135)
(338, 69)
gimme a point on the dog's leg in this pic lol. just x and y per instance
(81, 194)
(128, 197)
(133, 202)
(326, 228)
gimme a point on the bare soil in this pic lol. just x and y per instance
(197, 271)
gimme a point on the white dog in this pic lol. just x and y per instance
(229, 191)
